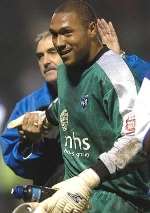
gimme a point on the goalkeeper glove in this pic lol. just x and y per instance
(72, 195)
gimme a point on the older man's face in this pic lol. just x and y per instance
(48, 59)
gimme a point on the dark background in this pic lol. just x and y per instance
(21, 20)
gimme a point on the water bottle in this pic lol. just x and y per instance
(32, 193)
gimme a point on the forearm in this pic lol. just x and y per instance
(117, 158)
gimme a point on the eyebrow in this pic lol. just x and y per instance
(51, 49)
(63, 29)
(38, 54)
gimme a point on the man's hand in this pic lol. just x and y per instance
(108, 35)
(72, 196)
(32, 122)
(34, 117)
(31, 126)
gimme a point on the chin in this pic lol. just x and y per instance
(68, 61)
(71, 62)
(51, 79)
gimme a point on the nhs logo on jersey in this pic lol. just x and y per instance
(84, 101)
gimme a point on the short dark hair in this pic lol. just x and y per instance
(81, 7)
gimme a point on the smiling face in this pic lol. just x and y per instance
(48, 59)
(70, 37)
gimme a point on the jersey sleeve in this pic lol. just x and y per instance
(120, 103)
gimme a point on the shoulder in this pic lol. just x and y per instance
(133, 59)
(112, 62)
(114, 67)
(117, 73)
(138, 66)
(136, 61)
(33, 95)
(34, 100)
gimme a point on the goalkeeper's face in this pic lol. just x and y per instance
(48, 59)
(72, 38)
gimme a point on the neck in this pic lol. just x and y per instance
(96, 47)
(75, 72)
(53, 89)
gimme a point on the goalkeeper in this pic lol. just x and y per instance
(96, 97)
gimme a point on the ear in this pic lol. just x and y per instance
(92, 30)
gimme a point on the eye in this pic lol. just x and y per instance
(39, 55)
(52, 51)
(67, 32)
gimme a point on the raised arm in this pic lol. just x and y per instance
(108, 35)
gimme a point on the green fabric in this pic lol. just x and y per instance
(107, 202)
(91, 130)
(90, 123)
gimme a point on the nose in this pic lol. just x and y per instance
(60, 42)
(46, 60)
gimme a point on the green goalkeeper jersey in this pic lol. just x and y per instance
(91, 108)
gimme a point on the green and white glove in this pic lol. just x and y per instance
(73, 194)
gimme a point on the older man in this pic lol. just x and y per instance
(36, 157)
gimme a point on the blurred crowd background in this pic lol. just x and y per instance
(20, 22)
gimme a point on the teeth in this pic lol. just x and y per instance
(65, 52)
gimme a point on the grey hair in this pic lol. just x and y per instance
(41, 36)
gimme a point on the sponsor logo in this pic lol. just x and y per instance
(64, 119)
(76, 143)
(77, 154)
(76, 146)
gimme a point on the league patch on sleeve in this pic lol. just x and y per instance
(129, 124)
